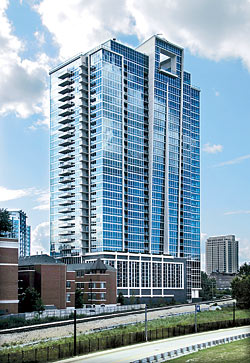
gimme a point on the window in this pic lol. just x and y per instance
(68, 298)
(103, 285)
(103, 296)
(93, 297)
(68, 284)
(92, 285)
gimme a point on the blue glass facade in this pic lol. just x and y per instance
(20, 231)
(125, 168)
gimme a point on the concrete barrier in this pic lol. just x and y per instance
(190, 349)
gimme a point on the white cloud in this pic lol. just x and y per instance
(39, 37)
(237, 212)
(244, 250)
(40, 197)
(234, 161)
(217, 93)
(23, 81)
(10, 194)
(43, 201)
(212, 149)
(209, 28)
(80, 25)
(40, 239)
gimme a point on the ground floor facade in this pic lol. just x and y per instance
(147, 276)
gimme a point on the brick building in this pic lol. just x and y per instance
(57, 282)
(96, 280)
(8, 275)
(46, 275)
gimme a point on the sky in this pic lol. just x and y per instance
(37, 35)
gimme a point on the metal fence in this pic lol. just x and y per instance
(89, 345)
(66, 313)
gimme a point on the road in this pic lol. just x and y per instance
(139, 351)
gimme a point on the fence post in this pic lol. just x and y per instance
(234, 306)
(47, 353)
(75, 332)
(195, 319)
(146, 324)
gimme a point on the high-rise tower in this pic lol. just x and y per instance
(222, 254)
(125, 167)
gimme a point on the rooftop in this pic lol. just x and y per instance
(43, 259)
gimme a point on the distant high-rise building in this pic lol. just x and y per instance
(21, 231)
(125, 165)
(222, 254)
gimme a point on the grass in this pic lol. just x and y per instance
(203, 317)
(229, 353)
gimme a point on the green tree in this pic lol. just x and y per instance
(120, 298)
(241, 291)
(208, 287)
(30, 301)
(132, 299)
(79, 299)
(5, 222)
(244, 270)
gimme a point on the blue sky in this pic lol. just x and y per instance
(36, 35)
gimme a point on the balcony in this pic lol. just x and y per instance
(67, 210)
(66, 240)
(66, 120)
(66, 90)
(68, 186)
(67, 217)
(66, 105)
(84, 94)
(67, 135)
(66, 165)
(84, 80)
(66, 82)
(66, 179)
(67, 195)
(67, 143)
(67, 112)
(67, 97)
(66, 225)
(67, 150)
(67, 234)
(66, 203)
(65, 74)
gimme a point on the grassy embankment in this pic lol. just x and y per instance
(173, 321)
(234, 352)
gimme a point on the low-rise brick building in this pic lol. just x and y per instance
(47, 275)
(8, 275)
(57, 282)
(96, 280)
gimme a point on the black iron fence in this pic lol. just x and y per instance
(89, 345)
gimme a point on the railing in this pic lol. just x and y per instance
(66, 313)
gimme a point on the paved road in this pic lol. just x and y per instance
(139, 351)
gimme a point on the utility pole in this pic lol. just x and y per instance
(146, 324)
(75, 331)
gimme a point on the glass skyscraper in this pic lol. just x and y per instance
(20, 231)
(125, 159)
